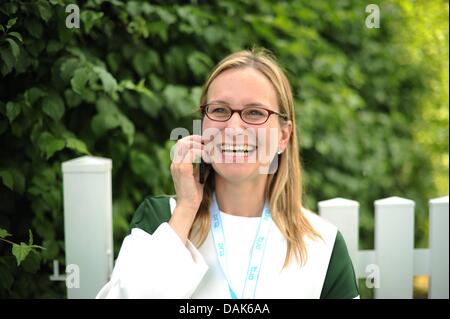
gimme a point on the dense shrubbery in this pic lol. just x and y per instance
(371, 104)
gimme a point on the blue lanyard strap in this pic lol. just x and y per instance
(257, 253)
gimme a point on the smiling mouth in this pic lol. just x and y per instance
(232, 149)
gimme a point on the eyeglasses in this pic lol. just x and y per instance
(251, 115)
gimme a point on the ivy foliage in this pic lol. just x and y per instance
(371, 104)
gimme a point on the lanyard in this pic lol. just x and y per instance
(257, 252)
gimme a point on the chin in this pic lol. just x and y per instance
(236, 172)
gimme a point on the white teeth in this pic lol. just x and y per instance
(237, 148)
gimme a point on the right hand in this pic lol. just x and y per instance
(189, 191)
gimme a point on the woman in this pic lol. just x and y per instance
(244, 232)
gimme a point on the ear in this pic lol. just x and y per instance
(286, 130)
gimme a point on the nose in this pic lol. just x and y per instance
(235, 129)
(235, 121)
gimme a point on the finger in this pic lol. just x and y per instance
(207, 138)
(195, 138)
(193, 144)
(200, 152)
(178, 152)
(211, 133)
(195, 155)
(182, 147)
(192, 156)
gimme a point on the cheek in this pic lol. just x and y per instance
(212, 125)
(268, 139)
(211, 130)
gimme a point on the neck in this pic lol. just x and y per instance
(241, 198)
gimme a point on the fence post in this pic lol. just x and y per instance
(88, 223)
(439, 237)
(394, 247)
(344, 214)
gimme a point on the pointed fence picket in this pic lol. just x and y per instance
(394, 261)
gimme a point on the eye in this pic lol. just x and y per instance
(217, 109)
(255, 112)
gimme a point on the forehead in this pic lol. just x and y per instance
(242, 86)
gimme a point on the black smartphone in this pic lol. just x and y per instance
(202, 171)
(202, 167)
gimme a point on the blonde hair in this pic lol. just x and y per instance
(284, 187)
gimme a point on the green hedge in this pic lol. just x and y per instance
(371, 104)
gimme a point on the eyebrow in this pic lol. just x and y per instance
(247, 104)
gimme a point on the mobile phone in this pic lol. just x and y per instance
(202, 166)
(202, 171)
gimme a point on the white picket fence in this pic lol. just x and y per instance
(393, 262)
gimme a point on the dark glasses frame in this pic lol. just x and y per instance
(203, 109)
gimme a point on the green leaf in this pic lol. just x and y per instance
(150, 104)
(105, 104)
(19, 180)
(108, 81)
(50, 144)
(135, 8)
(6, 279)
(144, 61)
(20, 252)
(33, 95)
(3, 126)
(156, 82)
(53, 106)
(16, 35)
(77, 145)
(9, 8)
(32, 263)
(14, 47)
(51, 249)
(127, 128)
(68, 68)
(10, 23)
(165, 15)
(199, 63)
(9, 60)
(34, 27)
(103, 122)
(177, 97)
(80, 77)
(54, 46)
(90, 18)
(195, 94)
(7, 179)
(12, 110)
(45, 10)
(214, 34)
(4, 233)
(113, 60)
(109, 117)
(72, 98)
(141, 165)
